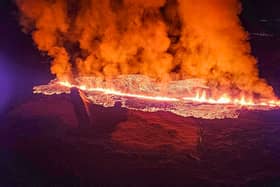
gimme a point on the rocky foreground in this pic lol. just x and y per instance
(53, 141)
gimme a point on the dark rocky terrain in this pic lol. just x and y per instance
(44, 142)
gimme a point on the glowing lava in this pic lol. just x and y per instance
(226, 99)
(199, 97)
(118, 93)
(184, 98)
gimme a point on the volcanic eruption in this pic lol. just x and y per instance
(188, 57)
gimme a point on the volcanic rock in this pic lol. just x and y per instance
(127, 147)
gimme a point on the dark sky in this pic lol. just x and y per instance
(256, 10)
(22, 66)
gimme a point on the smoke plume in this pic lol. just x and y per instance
(163, 39)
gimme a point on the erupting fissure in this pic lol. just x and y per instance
(200, 97)
(185, 98)
(174, 42)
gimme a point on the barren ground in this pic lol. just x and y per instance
(42, 144)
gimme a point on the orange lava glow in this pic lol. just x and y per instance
(226, 99)
(199, 97)
(118, 93)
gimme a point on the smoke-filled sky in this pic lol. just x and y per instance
(163, 39)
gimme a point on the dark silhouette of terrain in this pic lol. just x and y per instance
(43, 143)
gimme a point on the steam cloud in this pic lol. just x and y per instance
(163, 39)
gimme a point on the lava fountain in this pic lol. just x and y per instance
(188, 57)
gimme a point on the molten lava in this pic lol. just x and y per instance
(199, 97)
(185, 98)
(226, 99)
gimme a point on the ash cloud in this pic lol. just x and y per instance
(163, 39)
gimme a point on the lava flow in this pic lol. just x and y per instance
(225, 99)
(198, 98)
(184, 98)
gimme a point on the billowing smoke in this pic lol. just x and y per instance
(163, 39)
(48, 22)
